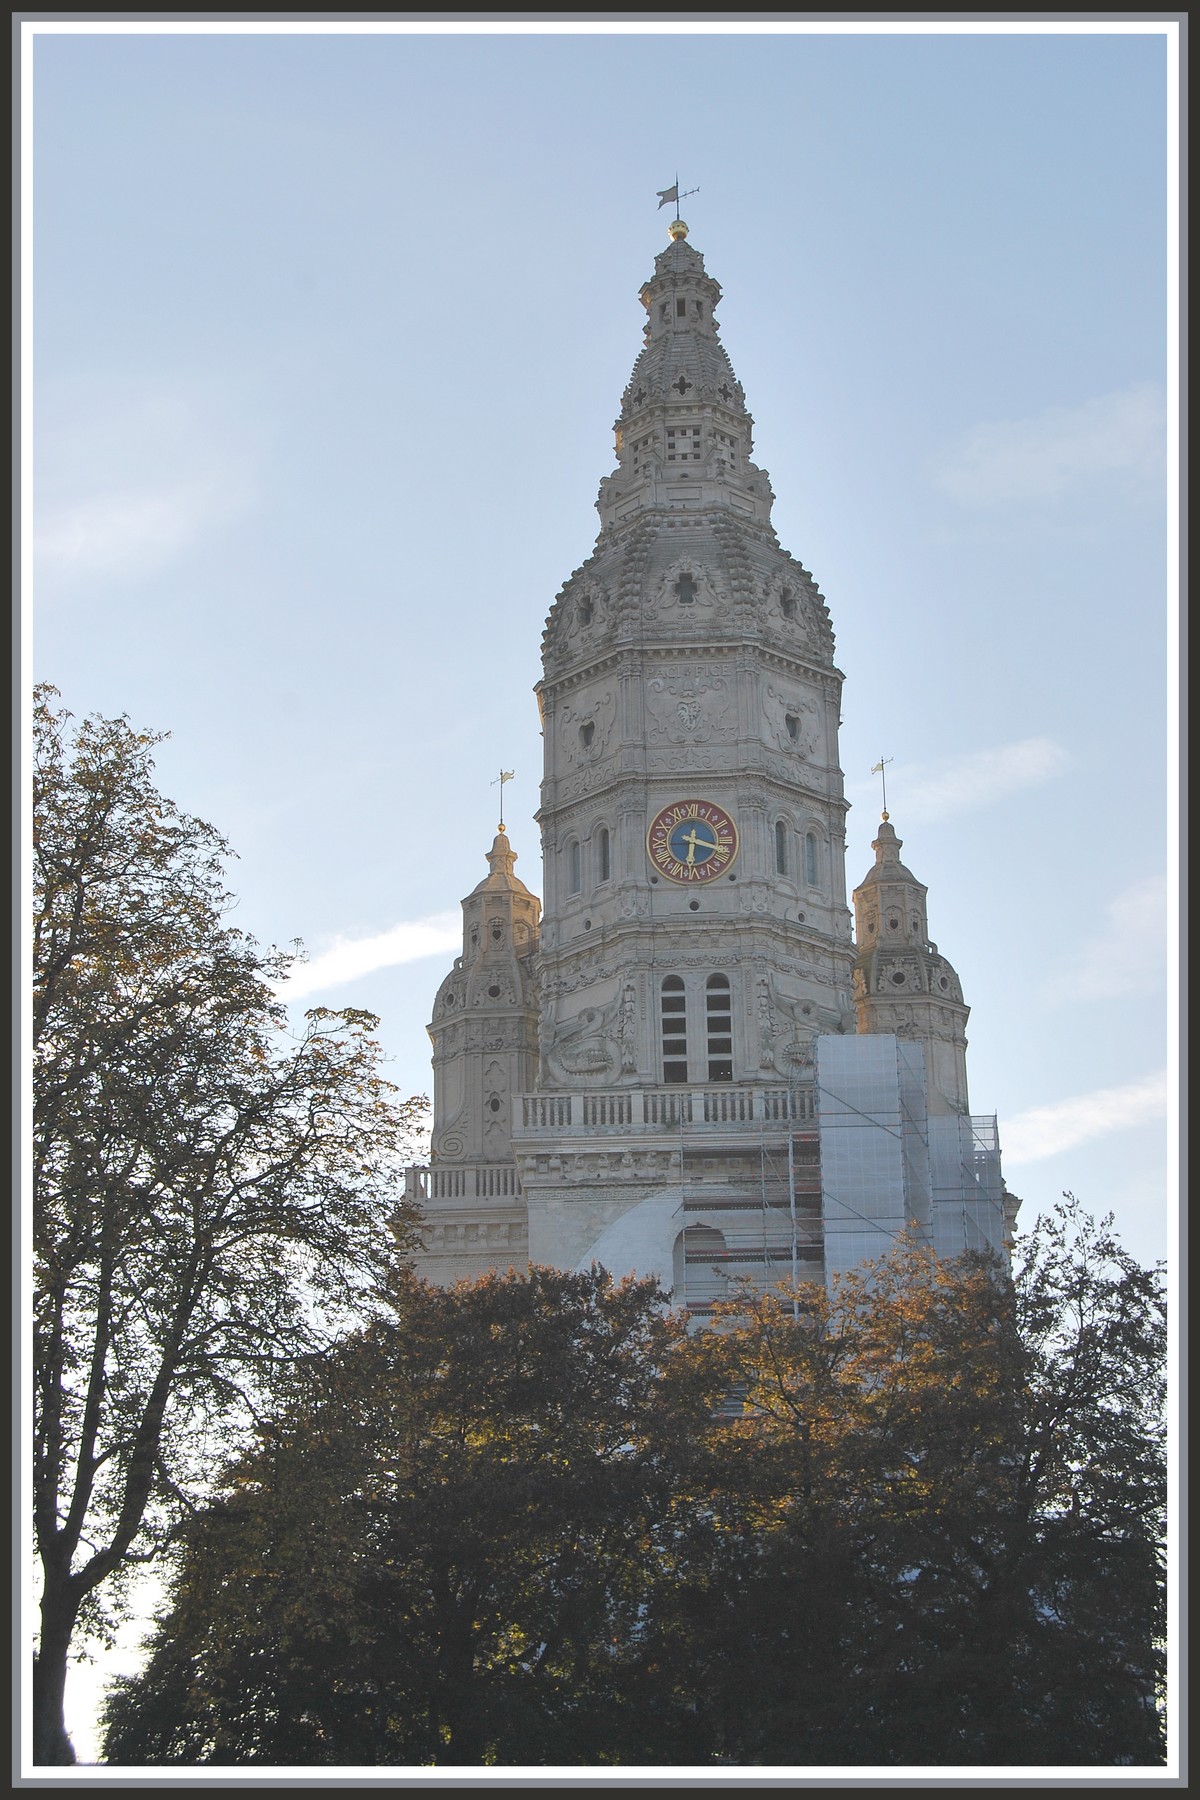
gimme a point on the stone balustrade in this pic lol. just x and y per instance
(639, 1109)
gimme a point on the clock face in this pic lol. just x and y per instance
(691, 841)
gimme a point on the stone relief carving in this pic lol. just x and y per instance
(627, 1029)
(632, 902)
(576, 787)
(495, 1138)
(581, 616)
(768, 1025)
(788, 1028)
(789, 598)
(793, 722)
(585, 1047)
(585, 727)
(689, 758)
(685, 591)
(689, 707)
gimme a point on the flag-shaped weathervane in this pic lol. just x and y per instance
(672, 196)
(505, 775)
(880, 769)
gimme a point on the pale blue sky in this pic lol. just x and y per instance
(330, 332)
(330, 335)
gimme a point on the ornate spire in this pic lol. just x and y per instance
(684, 437)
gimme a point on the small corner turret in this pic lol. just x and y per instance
(484, 1026)
(902, 984)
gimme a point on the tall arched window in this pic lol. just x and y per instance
(698, 1266)
(674, 1029)
(574, 866)
(603, 854)
(810, 859)
(718, 1003)
(780, 847)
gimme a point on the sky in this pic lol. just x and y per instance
(329, 333)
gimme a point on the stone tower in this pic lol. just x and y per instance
(696, 937)
(484, 1034)
(722, 1088)
(689, 666)
(902, 984)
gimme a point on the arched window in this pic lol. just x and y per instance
(718, 1003)
(810, 859)
(603, 854)
(674, 1029)
(781, 848)
(574, 866)
(698, 1267)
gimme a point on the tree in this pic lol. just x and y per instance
(940, 1516)
(441, 1549)
(523, 1522)
(210, 1194)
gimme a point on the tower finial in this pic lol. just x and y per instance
(666, 196)
(504, 775)
(880, 769)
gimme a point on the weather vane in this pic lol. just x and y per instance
(672, 194)
(880, 769)
(504, 775)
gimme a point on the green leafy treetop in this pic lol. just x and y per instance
(210, 1193)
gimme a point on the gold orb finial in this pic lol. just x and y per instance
(677, 229)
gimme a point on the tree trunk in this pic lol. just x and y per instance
(51, 1745)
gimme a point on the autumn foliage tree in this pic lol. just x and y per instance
(210, 1194)
(940, 1519)
(913, 1520)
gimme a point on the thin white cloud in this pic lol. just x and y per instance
(1120, 435)
(1128, 955)
(1045, 1130)
(349, 958)
(937, 790)
(130, 532)
(127, 481)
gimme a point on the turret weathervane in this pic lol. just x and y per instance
(504, 775)
(880, 769)
(672, 196)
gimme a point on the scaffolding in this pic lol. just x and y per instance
(757, 1218)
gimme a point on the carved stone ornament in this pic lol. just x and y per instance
(788, 598)
(793, 722)
(691, 707)
(794, 1025)
(685, 591)
(580, 616)
(585, 1047)
(585, 727)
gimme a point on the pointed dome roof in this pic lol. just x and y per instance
(501, 858)
(888, 867)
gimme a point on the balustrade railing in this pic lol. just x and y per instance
(666, 1107)
(463, 1181)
